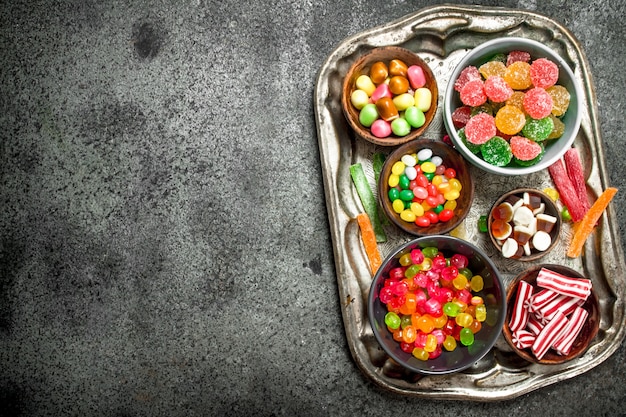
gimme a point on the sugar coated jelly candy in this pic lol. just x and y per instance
(480, 129)
(379, 72)
(473, 93)
(460, 116)
(475, 149)
(538, 129)
(558, 129)
(516, 99)
(496, 89)
(538, 103)
(510, 120)
(560, 99)
(524, 149)
(492, 68)
(517, 75)
(467, 74)
(496, 151)
(515, 56)
(544, 73)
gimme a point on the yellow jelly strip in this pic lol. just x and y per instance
(588, 222)
(369, 242)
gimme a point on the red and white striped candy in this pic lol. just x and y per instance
(573, 287)
(519, 315)
(523, 339)
(576, 322)
(562, 303)
(534, 325)
(541, 298)
(551, 332)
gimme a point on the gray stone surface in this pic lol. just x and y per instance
(164, 242)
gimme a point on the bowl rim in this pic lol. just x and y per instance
(365, 133)
(426, 241)
(511, 43)
(548, 201)
(551, 358)
(441, 228)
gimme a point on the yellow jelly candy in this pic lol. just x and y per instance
(552, 193)
(450, 205)
(417, 209)
(492, 68)
(517, 75)
(558, 129)
(407, 215)
(516, 100)
(510, 120)
(560, 99)
(398, 206)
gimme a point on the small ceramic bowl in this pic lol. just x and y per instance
(362, 67)
(543, 213)
(554, 148)
(586, 335)
(451, 159)
(462, 357)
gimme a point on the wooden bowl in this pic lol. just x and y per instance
(586, 335)
(550, 209)
(451, 159)
(362, 66)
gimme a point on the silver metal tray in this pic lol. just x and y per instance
(442, 35)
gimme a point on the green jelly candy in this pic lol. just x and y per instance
(406, 195)
(368, 114)
(496, 151)
(415, 116)
(475, 149)
(451, 309)
(438, 209)
(499, 57)
(538, 129)
(482, 224)
(411, 271)
(394, 194)
(466, 272)
(392, 320)
(467, 337)
(404, 182)
(430, 251)
(400, 127)
(484, 108)
(405, 320)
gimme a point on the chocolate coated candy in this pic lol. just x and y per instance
(386, 109)
(379, 72)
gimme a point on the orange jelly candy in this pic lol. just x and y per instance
(492, 68)
(560, 99)
(501, 229)
(516, 100)
(558, 129)
(517, 75)
(510, 120)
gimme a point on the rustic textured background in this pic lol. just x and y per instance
(164, 243)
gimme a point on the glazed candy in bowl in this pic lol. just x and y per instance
(425, 187)
(512, 106)
(437, 305)
(389, 96)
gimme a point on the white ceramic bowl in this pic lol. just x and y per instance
(572, 118)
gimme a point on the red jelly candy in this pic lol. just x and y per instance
(538, 103)
(515, 56)
(544, 73)
(497, 89)
(524, 149)
(480, 128)
(461, 115)
(470, 73)
(473, 93)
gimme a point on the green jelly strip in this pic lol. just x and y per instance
(369, 201)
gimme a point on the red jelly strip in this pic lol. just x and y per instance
(566, 190)
(576, 174)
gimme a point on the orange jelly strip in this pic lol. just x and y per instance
(588, 223)
(369, 242)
